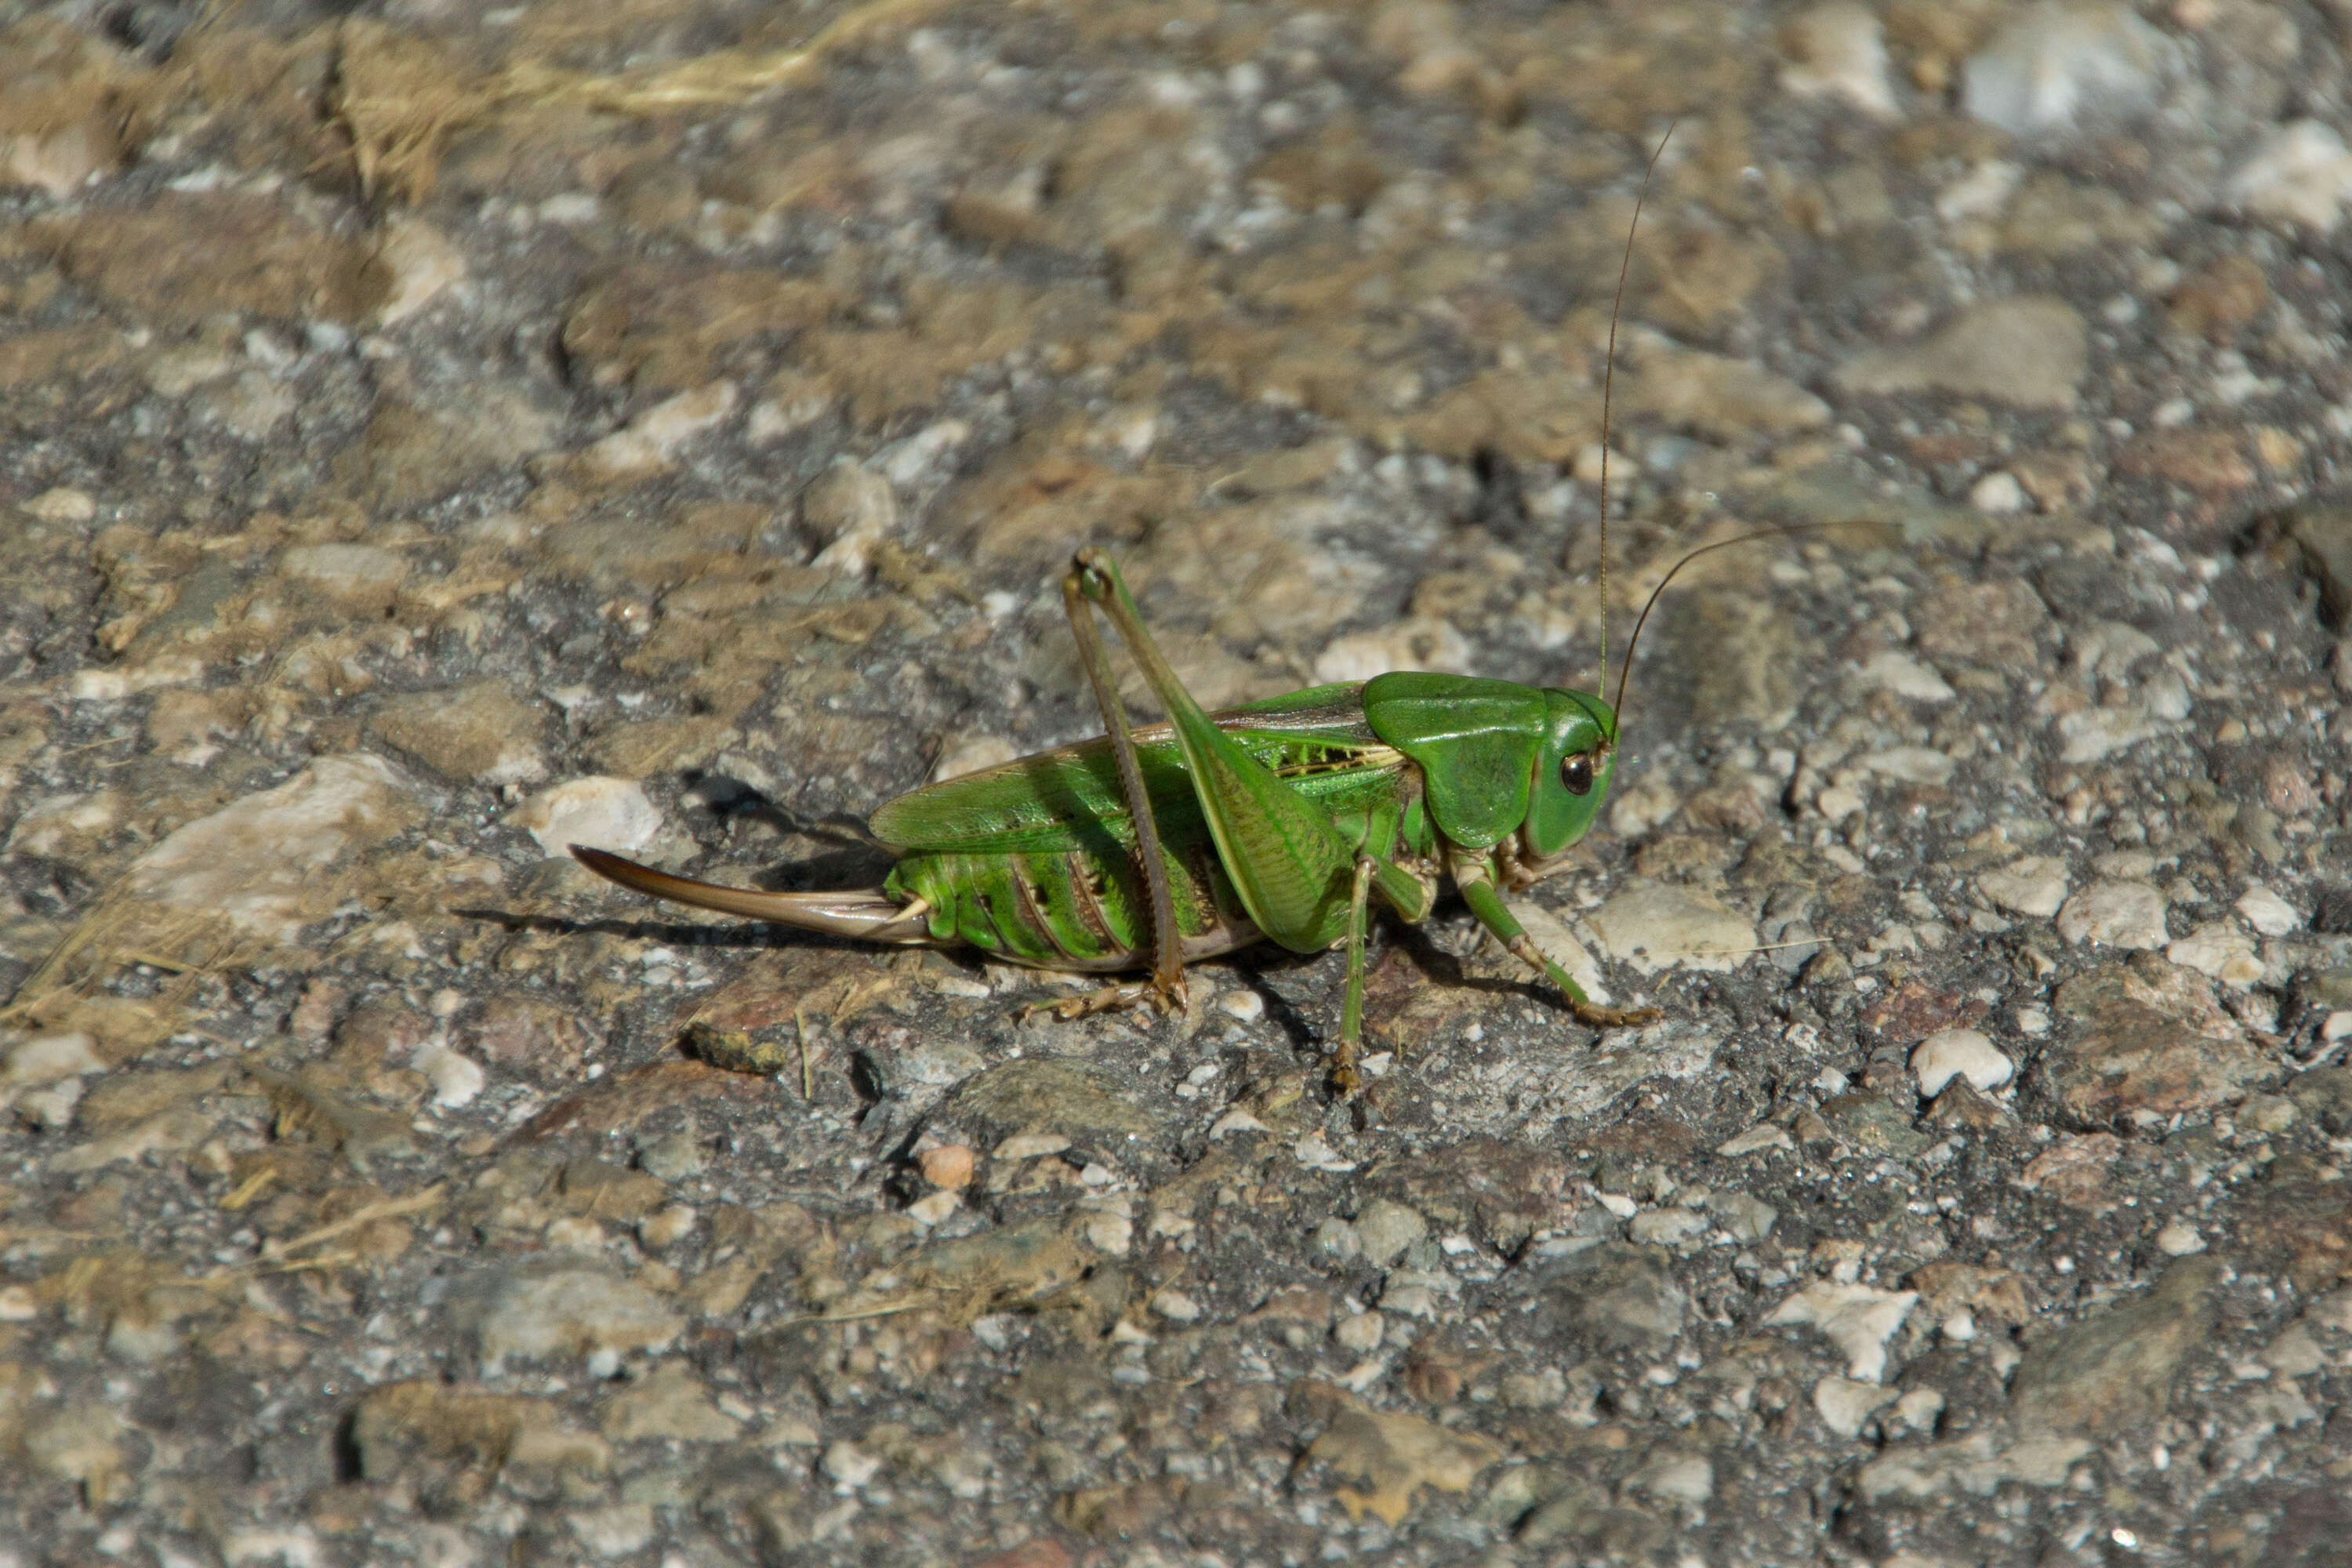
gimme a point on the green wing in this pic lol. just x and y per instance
(1066, 798)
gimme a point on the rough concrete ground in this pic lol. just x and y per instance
(433, 435)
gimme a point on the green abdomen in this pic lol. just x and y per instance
(1076, 909)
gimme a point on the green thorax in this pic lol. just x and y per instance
(1492, 752)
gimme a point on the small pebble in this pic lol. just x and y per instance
(2034, 886)
(666, 1226)
(2219, 949)
(1949, 1054)
(2055, 64)
(1387, 1228)
(1175, 1306)
(2115, 914)
(1667, 1226)
(2178, 1239)
(1839, 50)
(2301, 175)
(1756, 1139)
(1243, 1005)
(1359, 1334)
(1030, 1145)
(849, 1466)
(2267, 912)
(602, 813)
(938, 1206)
(949, 1166)
(1999, 494)
(1109, 1233)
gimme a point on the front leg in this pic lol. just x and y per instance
(1478, 892)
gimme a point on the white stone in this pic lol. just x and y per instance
(572, 1311)
(2034, 886)
(1316, 1154)
(2268, 913)
(1949, 1054)
(1846, 1403)
(1360, 1333)
(48, 1058)
(926, 460)
(1906, 677)
(1242, 1004)
(650, 443)
(1918, 1409)
(1667, 1226)
(1838, 802)
(1109, 1233)
(418, 264)
(50, 1109)
(1030, 1146)
(63, 503)
(456, 1077)
(2055, 64)
(1236, 1120)
(1997, 494)
(262, 863)
(1654, 927)
(848, 1465)
(2090, 734)
(1386, 1228)
(1755, 1139)
(1746, 1219)
(1912, 764)
(1679, 1478)
(2220, 949)
(115, 682)
(2178, 1238)
(2115, 914)
(599, 811)
(2302, 174)
(1175, 1306)
(1858, 1319)
(1839, 50)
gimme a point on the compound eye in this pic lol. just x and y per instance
(1576, 772)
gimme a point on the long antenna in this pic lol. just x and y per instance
(1608, 387)
(1626, 669)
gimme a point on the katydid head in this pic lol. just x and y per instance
(1573, 766)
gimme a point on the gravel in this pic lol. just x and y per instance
(437, 438)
